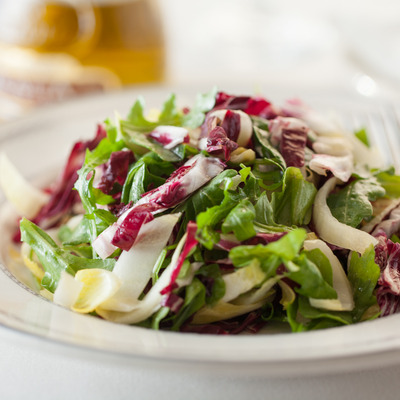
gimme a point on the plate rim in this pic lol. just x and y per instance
(376, 349)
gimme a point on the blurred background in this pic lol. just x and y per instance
(51, 50)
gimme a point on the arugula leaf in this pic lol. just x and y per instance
(213, 216)
(321, 261)
(148, 171)
(264, 217)
(389, 181)
(310, 279)
(362, 136)
(137, 121)
(352, 204)
(139, 143)
(240, 221)
(270, 256)
(210, 195)
(213, 272)
(265, 148)
(55, 259)
(363, 274)
(204, 103)
(158, 317)
(269, 173)
(291, 317)
(307, 311)
(292, 206)
(195, 298)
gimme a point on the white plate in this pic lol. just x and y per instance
(42, 140)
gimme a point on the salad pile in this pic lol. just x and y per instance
(221, 218)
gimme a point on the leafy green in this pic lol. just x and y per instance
(307, 311)
(55, 259)
(310, 279)
(322, 262)
(352, 204)
(240, 221)
(389, 181)
(195, 298)
(212, 271)
(292, 206)
(139, 143)
(204, 103)
(148, 171)
(363, 274)
(264, 217)
(362, 136)
(136, 120)
(265, 148)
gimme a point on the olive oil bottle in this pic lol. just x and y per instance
(54, 49)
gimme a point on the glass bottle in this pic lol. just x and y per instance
(54, 49)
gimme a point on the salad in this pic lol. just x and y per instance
(229, 216)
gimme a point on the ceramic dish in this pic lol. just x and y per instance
(38, 144)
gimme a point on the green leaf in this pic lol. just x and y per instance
(169, 114)
(352, 204)
(307, 311)
(195, 298)
(134, 139)
(265, 148)
(240, 221)
(102, 152)
(310, 279)
(148, 171)
(362, 136)
(292, 206)
(47, 251)
(210, 195)
(289, 246)
(204, 103)
(158, 317)
(363, 274)
(321, 261)
(218, 287)
(55, 259)
(389, 181)
(264, 217)
(252, 185)
(212, 217)
(270, 256)
(291, 317)
(136, 116)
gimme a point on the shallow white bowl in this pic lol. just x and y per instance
(40, 141)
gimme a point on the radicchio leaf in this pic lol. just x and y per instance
(390, 273)
(291, 135)
(190, 243)
(388, 302)
(182, 183)
(390, 223)
(170, 136)
(116, 170)
(219, 144)
(128, 230)
(256, 106)
(62, 197)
